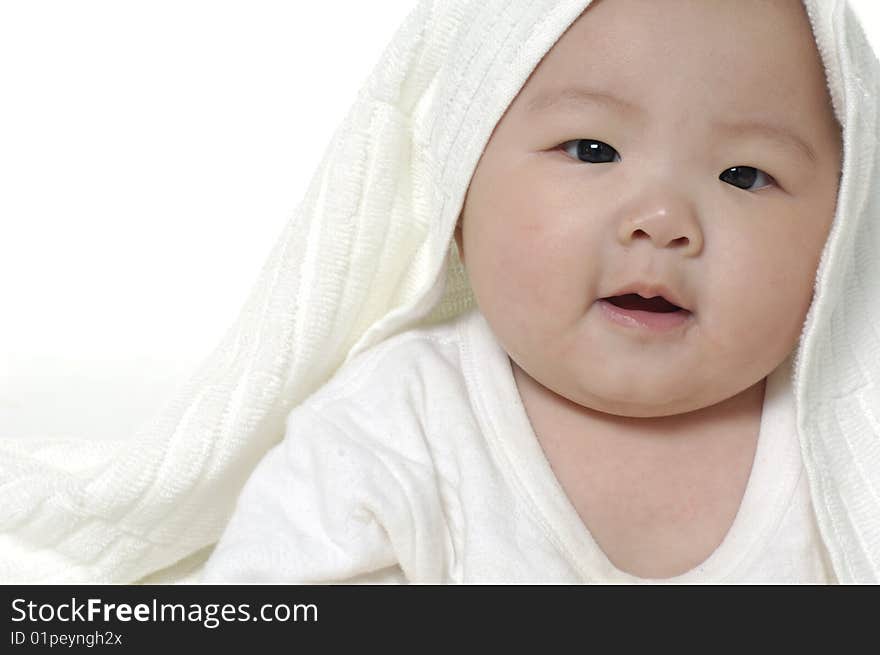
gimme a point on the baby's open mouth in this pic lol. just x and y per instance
(635, 301)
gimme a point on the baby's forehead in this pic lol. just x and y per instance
(751, 58)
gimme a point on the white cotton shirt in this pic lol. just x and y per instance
(417, 463)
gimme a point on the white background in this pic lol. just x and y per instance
(150, 153)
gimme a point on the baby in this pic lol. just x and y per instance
(641, 235)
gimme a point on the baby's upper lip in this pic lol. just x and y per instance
(651, 289)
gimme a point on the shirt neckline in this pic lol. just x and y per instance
(772, 480)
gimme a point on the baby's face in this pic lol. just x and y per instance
(683, 144)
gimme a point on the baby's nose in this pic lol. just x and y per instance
(664, 228)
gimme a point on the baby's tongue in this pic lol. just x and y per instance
(635, 301)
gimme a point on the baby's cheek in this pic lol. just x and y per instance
(761, 325)
(520, 276)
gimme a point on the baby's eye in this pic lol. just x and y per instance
(744, 177)
(590, 150)
(598, 152)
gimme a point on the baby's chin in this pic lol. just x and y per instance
(646, 400)
(619, 391)
(643, 408)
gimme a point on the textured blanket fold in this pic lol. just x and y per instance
(368, 253)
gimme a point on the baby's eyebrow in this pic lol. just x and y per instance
(578, 97)
(781, 135)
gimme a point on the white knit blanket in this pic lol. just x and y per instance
(367, 255)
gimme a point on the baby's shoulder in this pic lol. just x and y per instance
(403, 402)
(427, 355)
(404, 388)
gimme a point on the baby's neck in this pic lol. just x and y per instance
(657, 494)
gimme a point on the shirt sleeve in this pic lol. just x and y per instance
(317, 509)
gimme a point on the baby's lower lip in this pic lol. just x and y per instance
(644, 320)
